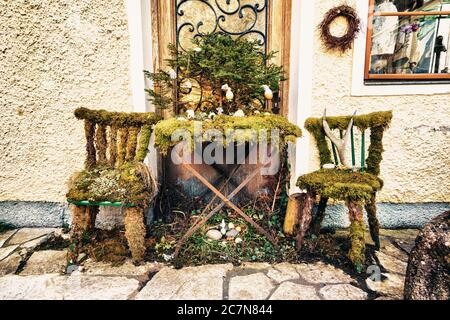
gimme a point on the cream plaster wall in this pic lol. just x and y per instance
(416, 165)
(55, 56)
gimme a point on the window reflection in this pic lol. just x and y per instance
(410, 44)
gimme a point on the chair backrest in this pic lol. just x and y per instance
(114, 138)
(376, 122)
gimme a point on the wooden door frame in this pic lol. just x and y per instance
(163, 26)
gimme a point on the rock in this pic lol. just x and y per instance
(391, 264)
(196, 283)
(33, 244)
(128, 269)
(283, 272)
(391, 287)
(10, 264)
(31, 288)
(5, 236)
(342, 292)
(257, 266)
(214, 234)
(322, 273)
(54, 287)
(255, 286)
(428, 276)
(6, 252)
(46, 262)
(293, 291)
(99, 288)
(28, 234)
(233, 233)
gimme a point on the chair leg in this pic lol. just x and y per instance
(374, 224)
(83, 218)
(357, 229)
(135, 233)
(305, 217)
(83, 221)
(320, 215)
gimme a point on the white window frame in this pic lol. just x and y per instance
(359, 88)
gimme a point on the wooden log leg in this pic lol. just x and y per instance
(305, 216)
(135, 233)
(320, 215)
(374, 224)
(357, 229)
(83, 221)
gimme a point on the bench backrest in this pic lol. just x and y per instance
(114, 138)
(376, 122)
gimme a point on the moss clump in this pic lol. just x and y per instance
(377, 122)
(164, 130)
(144, 141)
(341, 184)
(127, 184)
(118, 119)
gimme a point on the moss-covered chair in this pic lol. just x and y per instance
(357, 186)
(114, 174)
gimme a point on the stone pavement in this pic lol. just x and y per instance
(27, 273)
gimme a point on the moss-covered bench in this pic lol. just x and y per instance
(357, 186)
(114, 174)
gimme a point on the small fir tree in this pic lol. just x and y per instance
(219, 72)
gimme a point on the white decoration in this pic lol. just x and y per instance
(198, 49)
(225, 87)
(238, 240)
(211, 115)
(239, 114)
(219, 111)
(230, 95)
(190, 114)
(268, 93)
(329, 166)
(172, 74)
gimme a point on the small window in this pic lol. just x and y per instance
(408, 40)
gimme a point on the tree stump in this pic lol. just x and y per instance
(428, 272)
(306, 201)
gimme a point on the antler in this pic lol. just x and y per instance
(341, 144)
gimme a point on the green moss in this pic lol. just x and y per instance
(356, 253)
(341, 184)
(119, 119)
(144, 141)
(164, 130)
(377, 122)
(125, 184)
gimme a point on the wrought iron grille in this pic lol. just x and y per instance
(240, 18)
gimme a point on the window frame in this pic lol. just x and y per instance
(396, 77)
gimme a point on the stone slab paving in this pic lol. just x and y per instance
(46, 262)
(56, 287)
(194, 283)
(16, 246)
(42, 278)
